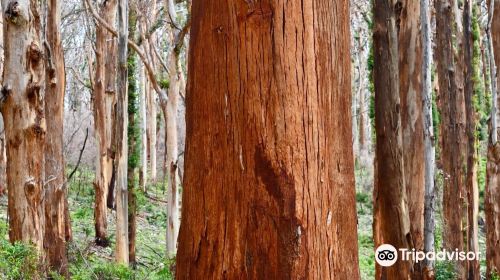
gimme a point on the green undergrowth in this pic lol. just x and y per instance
(86, 260)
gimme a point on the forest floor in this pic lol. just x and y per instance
(88, 261)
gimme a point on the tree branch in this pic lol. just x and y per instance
(161, 93)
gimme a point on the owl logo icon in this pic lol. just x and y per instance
(386, 255)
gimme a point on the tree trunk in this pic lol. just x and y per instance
(269, 180)
(410, 77)
(473, 272)
(492, 196)
(22, 108)
(3, 155)
(121, 138)
(104, 99)
(151, 131)
(391, 223)
(143, 150)
(451, 97)
(134, 135)
(55, 188)
(429, 148)
(171, 149)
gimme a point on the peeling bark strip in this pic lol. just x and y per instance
(55, 191)
(391, 224)
(492, 198)
(269, 153)
(104, 101)
(24, 117)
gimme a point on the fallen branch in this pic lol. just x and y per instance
(79, 157)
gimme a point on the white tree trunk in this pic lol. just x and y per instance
(143, 168)
(151, 123)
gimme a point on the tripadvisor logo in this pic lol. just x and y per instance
(387, 255)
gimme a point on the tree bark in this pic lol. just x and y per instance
(3, 155)
(269, 150)
(473, 272)
(134, 135)
(104, 100)
(22, 108)
(143, 150)
(410, 90)
(492, 196)
(391, 223)
(151, 132)
(451, 104)
(171, 141)
(55, 188)
(121, 138)
(429, 138)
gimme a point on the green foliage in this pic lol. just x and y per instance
(164, 83)
(481, 98)
(18, 260)
(495, 276)
(366, 256)
(99, 269)
(445, 270)
(481, 179)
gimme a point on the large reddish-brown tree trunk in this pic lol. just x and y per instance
(452, 109)
(55, 189)
(391, 223)
(269, 176)
(410, 77)
(104, 99)
(492, 197)
(22, 108)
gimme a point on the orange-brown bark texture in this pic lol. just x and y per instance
(391, 223)
(104, 99)
(269, 184)
(410, 89)
(492, 196)
(452, 109)
(55, 191)
(24, 118)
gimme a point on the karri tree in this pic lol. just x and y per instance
(269, 178)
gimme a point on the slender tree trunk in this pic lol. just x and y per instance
(3, 155)
(134, 135)
(452, 127)
(171, 149)
(3, 159)
(410, 77)
(104, 99)
(121, 138)
(429, 138)
(55, 188)
(22, 108)
(143, 167)
(151, 131)
(473, 272)
(492, 198)
(391, 223)
(269, 149)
